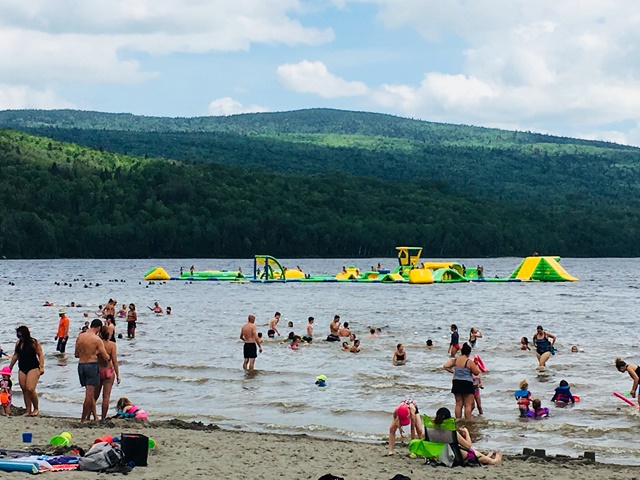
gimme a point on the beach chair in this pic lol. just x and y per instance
(440, 445)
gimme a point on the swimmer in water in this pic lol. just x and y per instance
(563, 396)
(400, 355)
(156, 308)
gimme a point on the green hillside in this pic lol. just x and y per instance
(65, 200)
(512, 166)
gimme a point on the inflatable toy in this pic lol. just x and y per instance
(478, 361)
(625, 399)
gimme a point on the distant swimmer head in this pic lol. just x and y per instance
(524, 385)
(403, 415)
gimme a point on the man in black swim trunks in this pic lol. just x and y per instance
(249, 335)
(88, 347)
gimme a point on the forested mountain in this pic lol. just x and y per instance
(513, 166)
(306, 183)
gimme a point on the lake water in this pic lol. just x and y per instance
(188, 365)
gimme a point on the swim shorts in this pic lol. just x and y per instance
(250, 350)
(89, 374)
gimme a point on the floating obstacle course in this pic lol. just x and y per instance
(267, 269)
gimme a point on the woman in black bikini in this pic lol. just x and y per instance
(28, 354)
(400, 355)
(632, 370)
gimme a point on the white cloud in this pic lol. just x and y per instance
(314, 77)
(229, 106)
(525, 63)
(93, 41)
(22, 96)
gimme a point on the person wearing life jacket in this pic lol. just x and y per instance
(563, 395)
(523, 397)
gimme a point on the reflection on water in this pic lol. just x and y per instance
(188, 365)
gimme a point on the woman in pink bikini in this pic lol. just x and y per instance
(109, 371)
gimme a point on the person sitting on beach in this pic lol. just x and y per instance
(406, 413)
(346, 347)
(334, 329)
(523, 397)
(524, 343)
(156, 308)
(308, 337)
(400, 355)
(538, 410)
(273, 326)
(356, 346)
(344, 331)
(634, 373)
(563, 396)
(464, 439)
(126, 409)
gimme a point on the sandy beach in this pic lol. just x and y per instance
(196, 450)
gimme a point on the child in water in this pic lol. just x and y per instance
(563, 396)
(477, 383)
(523, 397)
(538, 410)
(126, 409)
(5, 390)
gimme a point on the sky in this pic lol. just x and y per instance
(567, 67)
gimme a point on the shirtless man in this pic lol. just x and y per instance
(345, 331)
(309, 335)
(156, 308)
(273, 329)
(249, 335)
(334, 327)
(88, 348)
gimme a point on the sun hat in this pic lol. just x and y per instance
(62, 310)
(403, 415)
(5, 370)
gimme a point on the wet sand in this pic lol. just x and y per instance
(196, 450)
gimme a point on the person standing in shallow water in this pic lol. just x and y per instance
(249, 335)
(544, 347)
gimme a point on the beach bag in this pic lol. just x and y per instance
(100, 456)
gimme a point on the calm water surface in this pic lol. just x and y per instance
(188, 365)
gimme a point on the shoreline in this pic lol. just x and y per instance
(199, 450)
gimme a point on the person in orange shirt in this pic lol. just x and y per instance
(63, 331)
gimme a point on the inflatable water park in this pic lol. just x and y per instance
(267, 269)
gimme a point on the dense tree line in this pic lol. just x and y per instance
(65, 200)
